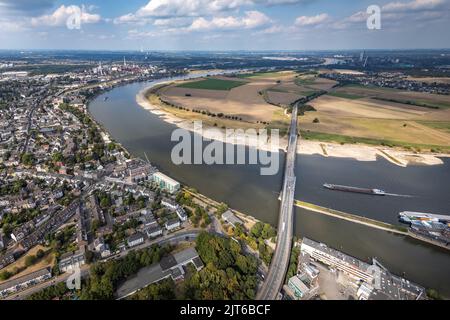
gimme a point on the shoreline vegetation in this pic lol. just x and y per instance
(312, 143)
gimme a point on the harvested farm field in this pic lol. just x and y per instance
(282, 98)
(212, 84)
(244, 101)
(256, 98)
(356, 112)
(420, 99)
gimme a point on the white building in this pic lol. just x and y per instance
(154, 231)
(172, 224)
(165, 183)
(364, 291)
(135, 239)
(168, 203)
(230, 217)
(72, 261)
(181, 214)
(101, 247)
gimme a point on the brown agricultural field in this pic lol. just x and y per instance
(245, 101)
(436, 100)
(355, 112)
(444, 80)
(293, 88)
(282, 98)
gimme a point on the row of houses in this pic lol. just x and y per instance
(152, 231)
(13, 286)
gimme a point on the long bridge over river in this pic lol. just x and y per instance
(280, 261)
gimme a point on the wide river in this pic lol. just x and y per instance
(243, 188)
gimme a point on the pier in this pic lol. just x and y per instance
(371, 223)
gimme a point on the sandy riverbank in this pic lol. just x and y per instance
(368, 153)
(208, 132)
(356, 151)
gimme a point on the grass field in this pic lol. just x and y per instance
(327, 137)
(353, 114)
(440, 125)
(212, 84)
(257, 75)
(305, 81)
(345, 95)
(420, 99)
(20, 265)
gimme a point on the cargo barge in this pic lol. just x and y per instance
(421, 217)
(375, 192)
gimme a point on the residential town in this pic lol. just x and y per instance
(64, 180)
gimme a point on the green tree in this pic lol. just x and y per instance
(257, 229)
(268, 231)
(27, 159)
(40, 254)
(30, 260)
(5, 275)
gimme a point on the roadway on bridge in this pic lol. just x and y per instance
(280, 261)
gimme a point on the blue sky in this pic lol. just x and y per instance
(222, 24)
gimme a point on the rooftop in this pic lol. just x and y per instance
(135, 237)
(167, 179)
(231, 217)
(25, 278)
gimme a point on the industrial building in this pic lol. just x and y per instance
(375, 282)
(171, 266)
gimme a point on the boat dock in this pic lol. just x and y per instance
(368, 222)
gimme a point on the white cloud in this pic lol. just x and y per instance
(416, 5)
(11, 26)
(188, 8)
(251, 20)
(164, 9)
(60, 16)
(173, 22)
(312, 20)
(136, 34)
(275, 29)
(131, 18)
(399, 14)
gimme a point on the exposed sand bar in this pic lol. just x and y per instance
(208, 132)
(368, 153)
(356, 151)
